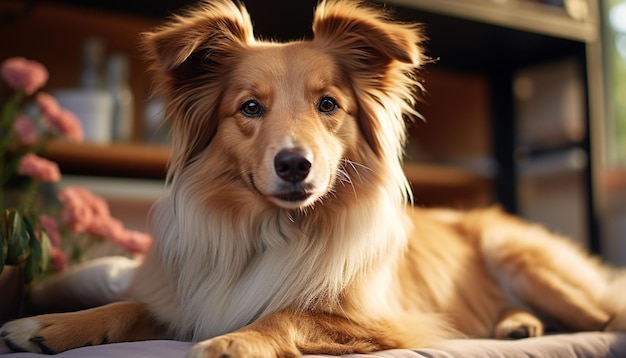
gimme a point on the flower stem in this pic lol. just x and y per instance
(10, 110)
(29, 196)
(7, 116)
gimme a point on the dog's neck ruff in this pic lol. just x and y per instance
(257, 259)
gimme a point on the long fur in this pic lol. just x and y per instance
(287, 258)
(250, 262)
(355, 251)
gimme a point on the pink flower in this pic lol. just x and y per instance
(51, 227)
(25, 130)
(86, 212)
(134, 241)
(97, 204)
(107, 227)
(39, 168)
(48, 105)
(58, 259)
(77, 211)
(57, 118)
(66, 123)
(25, 75)
(113, 230)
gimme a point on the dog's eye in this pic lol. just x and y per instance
(251, 108)
(327, 105)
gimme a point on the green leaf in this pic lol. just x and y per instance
(18, 236)
(46, 247)
(5, 244)
(32, 269)
(37, 262)
(4, 236)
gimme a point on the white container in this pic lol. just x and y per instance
(123, 102)
(94, 109)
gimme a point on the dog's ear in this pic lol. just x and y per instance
(363, 34)
(380, 57)
(195, 40)
(189, 57)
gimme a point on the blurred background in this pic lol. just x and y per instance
(525, 103)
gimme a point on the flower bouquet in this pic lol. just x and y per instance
(44, 233)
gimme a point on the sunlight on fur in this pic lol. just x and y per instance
(287, 227)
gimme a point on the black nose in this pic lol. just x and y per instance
(292, 165)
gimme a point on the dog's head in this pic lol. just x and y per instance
(291, 120)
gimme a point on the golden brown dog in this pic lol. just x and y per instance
(286, 227)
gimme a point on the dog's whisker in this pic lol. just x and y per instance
(354, 166)
(305, 211)
(344, 177)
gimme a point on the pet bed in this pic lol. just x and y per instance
(103, 280)
(587, 344)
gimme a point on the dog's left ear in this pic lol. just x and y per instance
(365, 35)
(380, 57)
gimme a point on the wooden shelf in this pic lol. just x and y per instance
(112, 160)
(520, 15)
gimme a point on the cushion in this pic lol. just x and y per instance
(104, 280)
(586, 344)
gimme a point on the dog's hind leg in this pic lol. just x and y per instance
(547, 273)
(516, 324)
(54, 333)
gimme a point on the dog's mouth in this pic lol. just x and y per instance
(298, 195)
(293, 197)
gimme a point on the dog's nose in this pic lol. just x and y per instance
(292, 165)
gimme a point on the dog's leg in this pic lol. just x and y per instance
(548, 274)
(54, 333)
(516, 324)
(290, 334)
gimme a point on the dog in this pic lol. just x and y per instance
(287, 227)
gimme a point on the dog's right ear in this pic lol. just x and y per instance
(189, 58)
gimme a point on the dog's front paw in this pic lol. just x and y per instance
(52, 334)
(241, 344)
(24, 335)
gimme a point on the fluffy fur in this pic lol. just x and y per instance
(286, 227)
